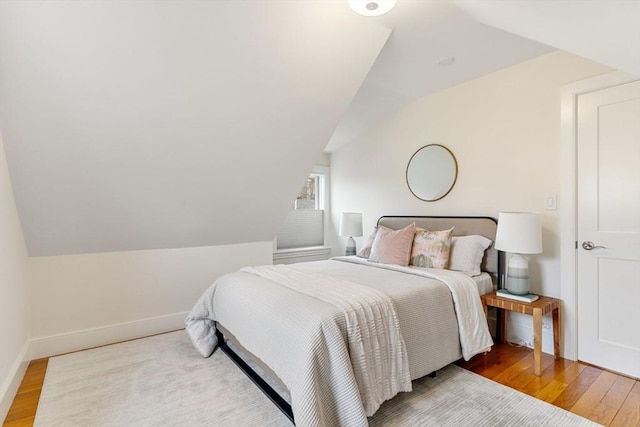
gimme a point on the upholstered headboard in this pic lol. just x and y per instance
(462, 226)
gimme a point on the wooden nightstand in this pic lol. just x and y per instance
(537, 309)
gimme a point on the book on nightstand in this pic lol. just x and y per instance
(504, 293)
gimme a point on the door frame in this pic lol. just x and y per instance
(568, 194)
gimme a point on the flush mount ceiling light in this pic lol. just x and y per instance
(371, 7)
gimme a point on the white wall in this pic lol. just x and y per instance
(504, 130)
(80, 301)
(13, 293)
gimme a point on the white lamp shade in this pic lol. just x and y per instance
(371, 7)
(519, 232)
(351, 224)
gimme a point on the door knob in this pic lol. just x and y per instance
(589, 246)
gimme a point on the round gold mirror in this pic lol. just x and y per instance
(432, 172)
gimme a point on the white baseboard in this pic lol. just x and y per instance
(38, 348)
(81, 340)
(10, 386)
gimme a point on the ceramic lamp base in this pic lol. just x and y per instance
(350, 249)
(518, 275)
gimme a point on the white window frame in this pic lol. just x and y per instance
(323, 196)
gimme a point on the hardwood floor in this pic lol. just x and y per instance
(601, 396)
(23, 409)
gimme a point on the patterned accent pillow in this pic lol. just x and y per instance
(365, 252)
(467, 253)
(431, 248)
(392, 246)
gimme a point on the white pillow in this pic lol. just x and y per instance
(467, 253)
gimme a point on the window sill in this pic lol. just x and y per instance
(314, 251)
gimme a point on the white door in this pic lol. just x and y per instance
(608, 163)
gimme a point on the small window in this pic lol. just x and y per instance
(304, 225)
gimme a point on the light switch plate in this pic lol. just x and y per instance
(550, 203)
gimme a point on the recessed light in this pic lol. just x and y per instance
(371, 7)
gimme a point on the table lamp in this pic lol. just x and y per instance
(351, 225)
(518, 233)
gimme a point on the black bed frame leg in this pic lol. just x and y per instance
(282, 404)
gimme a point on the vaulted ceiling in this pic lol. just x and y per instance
(155, 124)
(158, 124)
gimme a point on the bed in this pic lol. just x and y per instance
(287, 326)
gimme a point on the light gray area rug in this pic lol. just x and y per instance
(162, 381)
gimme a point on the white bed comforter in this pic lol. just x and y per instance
(475, 337)
(376, 347)
(309, 353)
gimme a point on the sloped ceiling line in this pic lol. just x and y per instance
(143, 125)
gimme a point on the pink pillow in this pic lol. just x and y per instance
(431, 248)
(392, 246)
